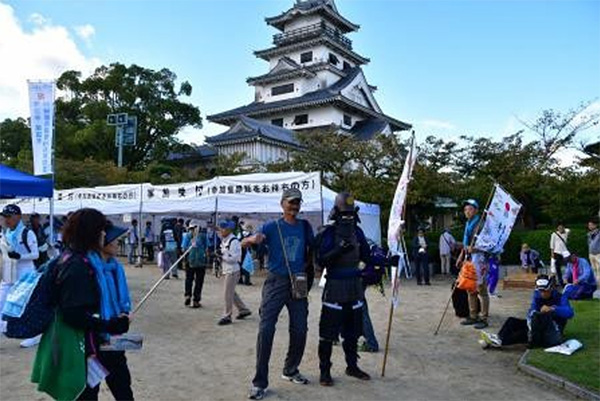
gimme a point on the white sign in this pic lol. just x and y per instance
(41, 104)
(499, 222)
(399, 199)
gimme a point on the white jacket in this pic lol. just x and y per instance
(25, 263)
(231, 248)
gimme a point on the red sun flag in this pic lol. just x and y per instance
(507, 206)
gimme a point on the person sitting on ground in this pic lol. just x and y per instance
(580, 278)
(546, 320)
(530, 259)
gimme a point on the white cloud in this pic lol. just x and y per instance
(85, 32)
(43, 52)
(437, 125)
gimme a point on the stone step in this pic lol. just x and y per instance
(519, 280)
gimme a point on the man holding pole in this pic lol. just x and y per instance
(471, 209)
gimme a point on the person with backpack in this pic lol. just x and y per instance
(169, 247)
(22, 251)
(479, 299)
(196, 267)
(559, 250)
(92, 303)
(341, 246)
(231, 259)
(547, 317)
(289, 241)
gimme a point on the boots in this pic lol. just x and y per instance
(325, 350)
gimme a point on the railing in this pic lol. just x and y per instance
(311, 31)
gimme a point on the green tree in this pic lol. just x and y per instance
(150, 95)
(15, 136)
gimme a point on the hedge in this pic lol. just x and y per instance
(537, 239)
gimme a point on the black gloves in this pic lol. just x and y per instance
(14, 255)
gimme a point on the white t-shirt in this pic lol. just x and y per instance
(556, 244)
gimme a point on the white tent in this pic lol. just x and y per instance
(241, 194)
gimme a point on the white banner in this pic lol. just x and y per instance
(499, 222)
(399, 199)
(41, 104)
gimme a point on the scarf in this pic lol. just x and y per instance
(13, 236)
(114, 294)
(575, 271)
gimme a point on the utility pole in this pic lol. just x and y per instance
(125, 132)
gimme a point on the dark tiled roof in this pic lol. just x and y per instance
(331, 94)
(276, 74)
(203, 151)
(312, 7)
(248, 128)
(368, 128)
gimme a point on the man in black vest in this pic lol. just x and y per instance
(340, 248)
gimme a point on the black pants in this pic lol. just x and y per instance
(150, 250)
(118, 379)
(422, 267)
(336, 319)
(194, 277)
(514, 331)
(244, 277)
(559, 261)
(545, 332)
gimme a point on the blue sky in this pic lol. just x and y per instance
(448, 67)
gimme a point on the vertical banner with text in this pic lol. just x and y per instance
(41, 104)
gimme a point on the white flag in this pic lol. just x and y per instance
(395, 220)
(499, 222)
(41, 104)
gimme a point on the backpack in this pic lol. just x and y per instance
(374, 271)
(24, 235)
(39, 311)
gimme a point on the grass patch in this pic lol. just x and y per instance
(583, 367)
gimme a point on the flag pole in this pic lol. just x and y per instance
(471, 244)
(397, 273)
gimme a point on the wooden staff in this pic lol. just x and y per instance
(465, 251)
(160, 280)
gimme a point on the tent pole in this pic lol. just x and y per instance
(51, 211)
(321, 195)
(140, 225)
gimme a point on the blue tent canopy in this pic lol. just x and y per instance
(15, 183)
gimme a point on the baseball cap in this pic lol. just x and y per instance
(113, 232)
(227, 225)
(471, 202)
(11, 210)
(543, 282)
(291, 194)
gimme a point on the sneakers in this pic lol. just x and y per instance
(325, 378)
(489, 340)
(356, 372)
(243, 315)
(257, 393)
(31, 342)
(296, 378)
(224, 321)
(482, 324)
(188, 301)
(469, 322)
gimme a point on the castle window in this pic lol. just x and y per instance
(278, 122)
(301, 119)
(347, 65)
(347, 120)
(282, 89)
(333, 59)
(306, 57)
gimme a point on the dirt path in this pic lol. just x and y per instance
(187, 356)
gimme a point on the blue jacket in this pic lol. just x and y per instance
(470, 230)
(562, 308)
(586, 275)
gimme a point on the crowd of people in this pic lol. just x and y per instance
(93, 302)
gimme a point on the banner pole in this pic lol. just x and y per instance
(401, 244)
(140, 225)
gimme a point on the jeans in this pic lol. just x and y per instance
(367, 327)
(131, 253)
(118, 379)
(276, 293)
(422, 267)
(194, 275)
